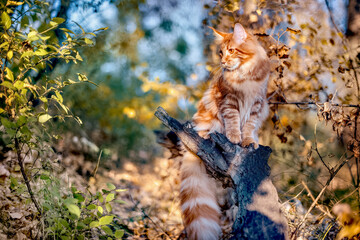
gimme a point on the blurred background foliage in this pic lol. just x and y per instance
(161, 53)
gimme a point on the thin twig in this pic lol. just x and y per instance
(320, 207)
(356, 189)
(147, 216)
(343, 40)
(318, 153)
(331, 16)
(27, 182)
(315, 103)
(293, 235)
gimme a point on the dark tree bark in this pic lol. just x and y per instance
(244, 169)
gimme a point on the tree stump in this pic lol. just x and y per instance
(244, 169)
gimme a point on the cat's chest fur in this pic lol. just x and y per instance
(246, 92)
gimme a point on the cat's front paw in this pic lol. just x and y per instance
(235, 138)
(249, 140)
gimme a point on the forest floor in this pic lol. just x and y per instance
(150, 208)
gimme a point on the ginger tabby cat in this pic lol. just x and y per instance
(235, 105)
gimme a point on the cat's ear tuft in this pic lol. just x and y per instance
(219, 36)
(239, 34)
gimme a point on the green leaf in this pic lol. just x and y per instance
(44, 177)
(14, 3)
(21, 121)
(121, 190)
(108, 207)
(80, 226)
(110, 197)
(100, 209)
(110, 186)
(74, 209)
(66, 30)
(78, 57)
(45, 117)
(91, 207)
(41, 52)
(4, 45)
(58, 20)
(119, 233)
(79, 197)
(19, 85)
(105, 191)
(13, 182)
(7, 124)
(101, 29)
(9, 74)
(32, 35)
(88, 41)
(100, 197)
(8, 85)
(27, 54)
(106, 220)
(58, 95)
(65, 108)
(52, 23)
(120, 201)
(1, 110)
(64, 223)
(70, 200)
(6, 20)
(44, 37)
(94, 224)
(107, 230)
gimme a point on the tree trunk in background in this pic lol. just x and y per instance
(249, 6)
(353, 23)
(245, 170)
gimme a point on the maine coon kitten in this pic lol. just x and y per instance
(235, 105)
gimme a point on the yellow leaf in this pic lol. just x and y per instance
(130, 112)
(45, 117)
(10, 55)
(302, 39)
(9, 74)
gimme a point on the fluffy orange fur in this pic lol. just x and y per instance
(235, 105)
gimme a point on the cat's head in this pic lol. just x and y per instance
(236, 48)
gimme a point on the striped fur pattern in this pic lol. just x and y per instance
(235, 105)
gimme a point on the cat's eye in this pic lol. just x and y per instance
(231, 50)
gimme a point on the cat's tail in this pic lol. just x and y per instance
(198, 202)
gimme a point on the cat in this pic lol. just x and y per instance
(235, 105)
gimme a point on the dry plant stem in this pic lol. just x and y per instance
(331, 16)
(318, 153)
(320, 207)
(355, 190)
(332, 175)
(315, 103)
(147, 216)
(27, 182)
(343, 40)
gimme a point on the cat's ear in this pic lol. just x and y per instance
(239, 34)
(219, 36)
